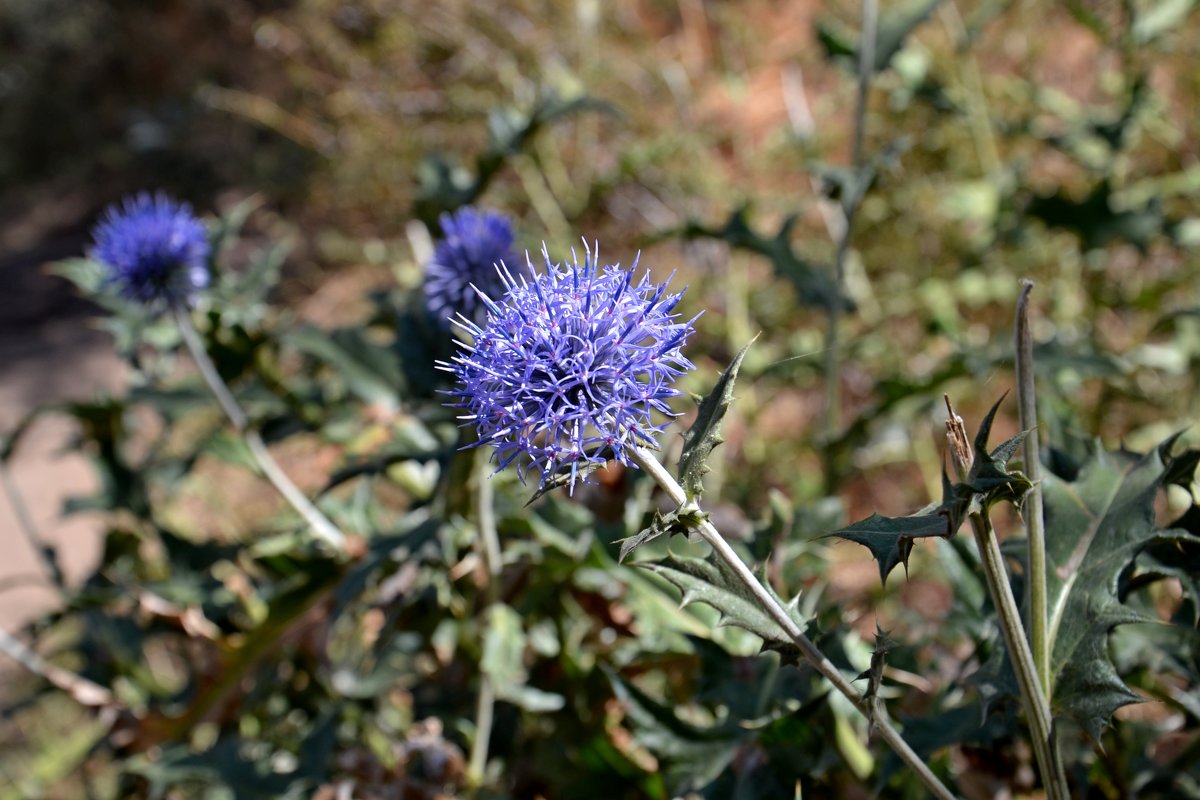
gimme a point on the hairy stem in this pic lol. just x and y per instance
(1032, 511)
(324, 530)
(489, 543)
(876, 714)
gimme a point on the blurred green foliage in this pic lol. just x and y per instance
(1004, 140)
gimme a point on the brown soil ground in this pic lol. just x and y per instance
(50, 351)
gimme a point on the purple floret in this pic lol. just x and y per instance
(570, 367)
(155, 250)
(473, 243)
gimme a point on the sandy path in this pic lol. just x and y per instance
(50, 352)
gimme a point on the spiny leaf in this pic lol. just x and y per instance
(705, 433)
(989, 475)
(890, 539)
(813, 285)
(715, 584)
(681, 521)
(1096, 526)
(874, 674)
(1175, 552)
(695, 756)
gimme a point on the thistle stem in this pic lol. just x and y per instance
(876, 714)
(850, 206)
(1032, 511)
(1033, 699)
(489, 543)
(321, 526)
(1037, 710)
(80, 688)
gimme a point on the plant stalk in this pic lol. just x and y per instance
(1033, 699)
(1037, 711)
(1032, 511)
(876, 714)
(79, 687)
(850, 206)
(321, 526)
(489, 544)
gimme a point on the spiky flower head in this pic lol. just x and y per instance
(155, 250)
(473, 242)
(570, 367)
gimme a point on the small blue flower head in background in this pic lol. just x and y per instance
(570, 367)
(473, 243)
(155, 250)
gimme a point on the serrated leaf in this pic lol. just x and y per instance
(1096, 526)
(714, 583)
(695, 756)
(370, 370)
(679, 521)
(890, 539)
(445, 186)
(705, 433)
(814, 287)
(874, 674)
(989, 475)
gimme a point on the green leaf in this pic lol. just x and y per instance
(370, 370)
(890, 539)
(989, 476)
(445, 186)
(695, 756)
(503, 646)
(1163, 16)
(813, 285)
(1097, 220)
(705, 433)
(714, 583)
(1096, 525)
(893, 29)
(681, 521)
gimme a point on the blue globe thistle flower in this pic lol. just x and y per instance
(473, 243)
(155, 250)
(570, 367)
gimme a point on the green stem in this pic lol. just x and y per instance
(876, 714)
(1032, 511)
(850, 205)
(325, 530)
(1037, 711)
(489, 544)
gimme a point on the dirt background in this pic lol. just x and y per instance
(51, 351)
